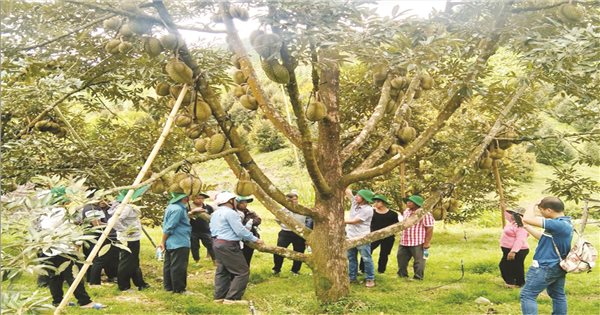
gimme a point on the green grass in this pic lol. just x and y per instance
(440, 293)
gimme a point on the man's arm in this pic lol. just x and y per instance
(428, 236)
(530, 220)
(348, 193)
(533, 231)
(163, 242)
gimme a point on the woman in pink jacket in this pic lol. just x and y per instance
(514, 250)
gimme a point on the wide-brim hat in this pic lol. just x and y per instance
(224, 197)
(382, 198)
(519, 210)
(247, 199)
(366, 195)
(418, 200)
(292, 193)
(175, 197)
(203, 195)
(136, 194)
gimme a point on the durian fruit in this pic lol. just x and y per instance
(193, 131)
(175, 188)
(238, 13)
(316, 111)
(216, 144)
(175, 90)
(238, 91)
(268, 69)
(438, 213)
(47, 126)
(183, 120)
(162, 88)
(239, 77)
(280, 73)
(179, 71)
(267, 45)
(112, 24)
(179, 177)
(451, 205)
(152, 47)
(126, 31)
(254, 35)
(486, 163)
(571, 12)
(249, 102)
(169, 41)
(200, 145)
(406, 134)
(396, 149)
(244, 186)
(426, 81)
(398, 83)
(61, 132)
(112, 46)
(125, 47)
(174, 182)
(158, 186)
(190, 185)
(202, 110)
(380, 74)
(496, 153)
(390, 107)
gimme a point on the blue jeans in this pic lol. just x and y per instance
(539, 278)
(365, 254)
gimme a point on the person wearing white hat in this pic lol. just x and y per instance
(233, 273)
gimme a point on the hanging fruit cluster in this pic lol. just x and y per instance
(268, 45)
(241, 90)
(316, 110)
(244, 186)
(569, 12)
(178, 183)
(51, 127)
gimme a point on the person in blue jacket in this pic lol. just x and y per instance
(176, 243)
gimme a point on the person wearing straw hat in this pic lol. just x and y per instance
(287, 237)
(250, 220)
(233, 273)
(176, 243)
(129, 231)
(415, 240)
(200, 227)
(513, 244)
(382, 218)
(357, 225)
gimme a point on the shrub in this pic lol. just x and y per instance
(266, 138)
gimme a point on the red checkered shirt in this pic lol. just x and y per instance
(415, 235)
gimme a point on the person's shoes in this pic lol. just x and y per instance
(218, 301)
(295, 274)
(276, 272)
(185, 293)
(370, 283)
(417, 279)
(128, 291)
(354, 281)
(92, 305)
(113, 280)
(144, 287)
(511, 286)
(235, 302)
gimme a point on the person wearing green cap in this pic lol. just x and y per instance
(415, 240)
(129, 227)
(358, 225)
(176, 243)
(382, 218)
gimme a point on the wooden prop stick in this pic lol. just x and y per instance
(496, 171)
(111, 222)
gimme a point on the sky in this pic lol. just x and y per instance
(420, 8)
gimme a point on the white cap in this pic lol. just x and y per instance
(223, 197)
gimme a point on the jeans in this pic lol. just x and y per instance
(365, 254)
(539, 278)
(386, 248)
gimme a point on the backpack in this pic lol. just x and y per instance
(581, 258)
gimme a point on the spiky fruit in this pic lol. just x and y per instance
(406, 134)
(202, 110)
(193, 131)
(158, 187)
(112, 24)
(162, 88)
(112, 46)
(398, 82)
(126, 30)
(244, 186)
(175, 90)
(254, 35)
(497, 153)
(485, 163)
(426, 81)
(238, 91)
(268, 69)
(438, 213)
(396, 149)
(152, 47)
(571, 12)
(238, 13)
(216, 144)
(169, 41)
(179, 177)
(125, 47)
(280, 73)
(190, 185)
(175, 188)
(200, 145)
(380, 74)
(267, 45)
(239, 77)
(179, 71)
(453, 205)
(249, 102)
(183, 121)
(316, 111)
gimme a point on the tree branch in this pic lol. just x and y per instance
(567, 135)
(272, 114)
(67, 34)
(369, 126)
(554, 5)
(281, 251)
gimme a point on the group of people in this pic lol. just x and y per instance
(227, 230)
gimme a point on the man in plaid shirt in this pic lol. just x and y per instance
(415, 240)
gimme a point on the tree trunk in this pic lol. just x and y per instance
(330, 262)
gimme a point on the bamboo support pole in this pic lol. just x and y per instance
(289, 119)
(500, 190)
(584, 216)
(112, 221)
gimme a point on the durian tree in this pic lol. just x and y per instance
(430, 86)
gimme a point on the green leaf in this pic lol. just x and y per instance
(104, 250)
